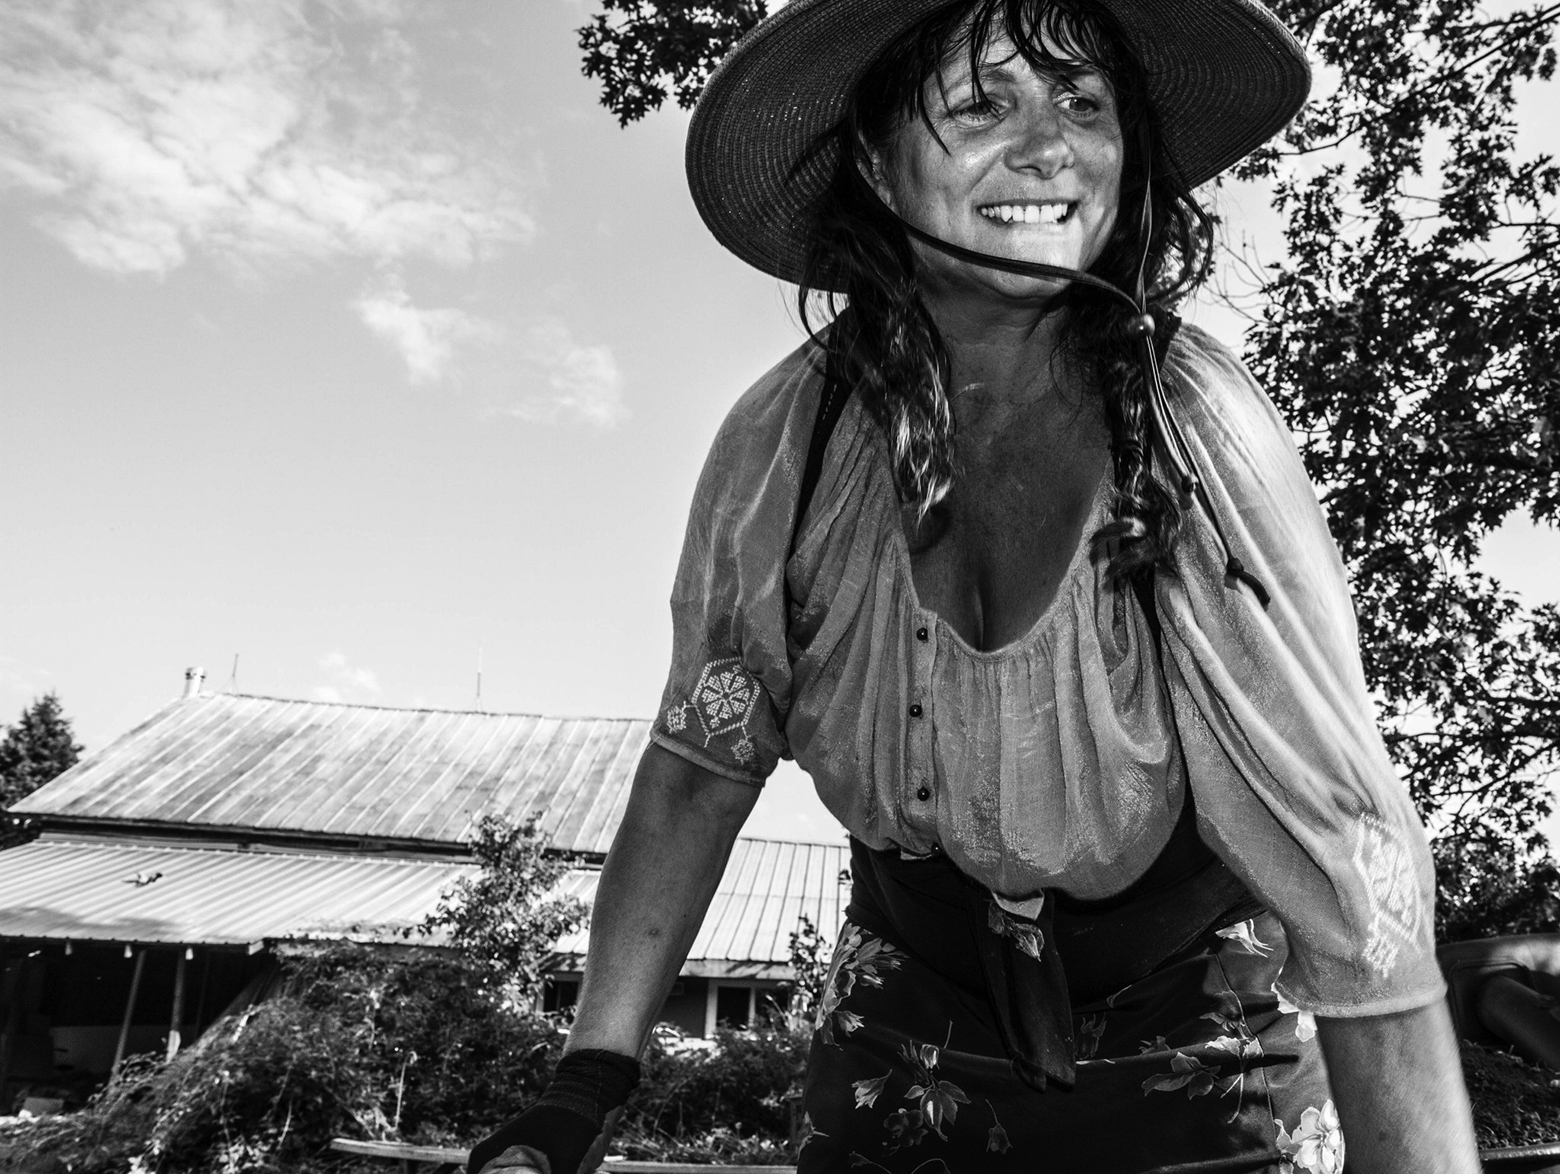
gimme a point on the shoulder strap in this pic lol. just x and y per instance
(830, 404)
(1169, 323)
(1143, 588)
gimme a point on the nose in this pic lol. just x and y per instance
(1039, 143)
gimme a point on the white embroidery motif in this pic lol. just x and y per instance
(677, 717)
(1396, 913)
(724, 699)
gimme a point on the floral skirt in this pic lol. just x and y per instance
(1196, 1068)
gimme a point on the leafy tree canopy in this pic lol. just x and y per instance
(1412, 339)
(36, 749)
(1411, 336)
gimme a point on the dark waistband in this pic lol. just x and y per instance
(1033, 972)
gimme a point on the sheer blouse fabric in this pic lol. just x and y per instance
(1061, 760)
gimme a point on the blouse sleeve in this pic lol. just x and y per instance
(729, 690)
(1293, 783)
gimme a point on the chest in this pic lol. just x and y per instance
(990, 557)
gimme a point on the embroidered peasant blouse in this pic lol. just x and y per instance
(1054, 762)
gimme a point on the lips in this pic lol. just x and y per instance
(1046, 212)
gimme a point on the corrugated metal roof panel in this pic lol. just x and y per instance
(364, 772)
(57, 888)
(767, 887)
(128, 892)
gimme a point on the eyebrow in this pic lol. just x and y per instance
(998, 71)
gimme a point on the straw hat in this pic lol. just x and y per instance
(1223, 76)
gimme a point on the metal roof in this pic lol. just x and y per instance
(125, 892)
(121, 891)
(231, 763)
(768, 885)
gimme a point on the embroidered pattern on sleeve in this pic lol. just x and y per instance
(1396, 913)
(722, 701)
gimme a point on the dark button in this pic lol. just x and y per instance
(924, 794)
(920, 633)
(915, 709)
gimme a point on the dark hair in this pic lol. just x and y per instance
(883, 341)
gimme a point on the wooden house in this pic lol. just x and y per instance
(169, 867)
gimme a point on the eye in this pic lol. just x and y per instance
(1077, 103)
(974, 109)
(1083, 94)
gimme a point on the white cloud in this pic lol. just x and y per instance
(347, 681)
(147, 130)
(581, 381)
(536, 372)
(425, 339)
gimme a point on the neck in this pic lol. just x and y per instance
(1006, 348)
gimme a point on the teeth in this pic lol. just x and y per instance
(1027, 213)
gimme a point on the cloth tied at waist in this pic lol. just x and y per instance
(1030, 970)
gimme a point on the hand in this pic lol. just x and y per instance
(510, 1162)
(514, 1160)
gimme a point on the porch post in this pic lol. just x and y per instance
(124, 1028)
(178, 1004)
(11, 991)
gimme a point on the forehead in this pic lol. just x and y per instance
(1047, 39)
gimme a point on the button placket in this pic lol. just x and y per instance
(923, 657)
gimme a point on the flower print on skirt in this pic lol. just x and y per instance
(1194, 1067)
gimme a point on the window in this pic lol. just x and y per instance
(560, 994)
(734, 1006)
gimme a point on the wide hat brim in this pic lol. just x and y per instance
(1223, 77)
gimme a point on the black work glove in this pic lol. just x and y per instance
(565, 1125)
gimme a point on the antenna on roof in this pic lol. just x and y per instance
(233, 677)
(479, 680)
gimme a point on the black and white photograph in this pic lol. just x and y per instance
(779, 586)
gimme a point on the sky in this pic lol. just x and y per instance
(353, 344)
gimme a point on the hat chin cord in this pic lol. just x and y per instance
(1172, 441)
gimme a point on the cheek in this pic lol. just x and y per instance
(1104, 163)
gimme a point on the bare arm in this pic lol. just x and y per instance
(665, 862)
(1397, 1082)
(666, 859)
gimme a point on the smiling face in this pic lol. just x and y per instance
(1026, 164)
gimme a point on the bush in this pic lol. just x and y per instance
(736, 1102)
(360, 1044)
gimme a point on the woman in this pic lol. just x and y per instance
(1064, 644)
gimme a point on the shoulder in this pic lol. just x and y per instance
(1217, 397)
(1202, 367)
(760, 434)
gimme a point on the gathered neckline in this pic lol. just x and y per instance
(1042, 623)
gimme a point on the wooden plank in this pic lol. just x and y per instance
(400, 1152)
(1521, 1153)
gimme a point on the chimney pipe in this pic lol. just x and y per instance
(192, 681)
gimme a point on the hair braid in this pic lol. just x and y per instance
(1146, 516)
